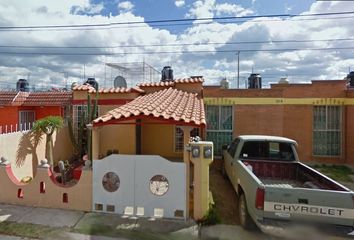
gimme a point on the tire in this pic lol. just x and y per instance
(245, 219)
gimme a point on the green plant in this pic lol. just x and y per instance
(83, 144)
(211, 218)
(48, 126)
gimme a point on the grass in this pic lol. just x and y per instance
(337, 172)
(40, 231)
(25, 229)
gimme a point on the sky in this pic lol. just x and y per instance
(172, 44)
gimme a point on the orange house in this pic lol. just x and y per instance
(18, 110)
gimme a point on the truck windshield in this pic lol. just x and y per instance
(267, 150)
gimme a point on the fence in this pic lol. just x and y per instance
(11, 128)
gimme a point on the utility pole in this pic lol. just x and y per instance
(238, 69)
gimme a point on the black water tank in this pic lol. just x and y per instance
(92, 82)
(350, 78)
(254, 81)
(167, 74)
(22, 85)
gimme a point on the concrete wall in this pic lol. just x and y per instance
(79, 196)
(25, 150)
(135, 172)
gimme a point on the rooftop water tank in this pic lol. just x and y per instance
(22, 85)
(254, 81)
(224, 83)
(283, 80)
(92, 82)
(167, 74)
(350, 78)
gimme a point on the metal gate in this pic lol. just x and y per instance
(139, 185)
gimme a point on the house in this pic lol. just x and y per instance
(20, 109)
(318, 115)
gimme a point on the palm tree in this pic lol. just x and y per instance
(48, 126)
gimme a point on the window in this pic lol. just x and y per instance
(179, 137)
(232, 148)
(327, 130)
(219, 126)
(26, 120)
(264, 150)
(79, 111)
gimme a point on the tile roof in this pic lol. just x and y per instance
(118, 90)
(83, 87)
(35, 98)
(172, 83)
(168, 103)
(6, 98)
(48, 99)
(90, 89)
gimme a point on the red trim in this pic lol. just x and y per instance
(104, 101)
(12, 176)
(159, 120)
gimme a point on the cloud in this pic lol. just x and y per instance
(125, 6)
(179, 3)
(300, 66)
(210, 8)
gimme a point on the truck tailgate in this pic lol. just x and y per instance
(333, 207)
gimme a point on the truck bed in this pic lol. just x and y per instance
(290, 175)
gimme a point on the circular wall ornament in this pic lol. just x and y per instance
(158, 185)
(110, 182)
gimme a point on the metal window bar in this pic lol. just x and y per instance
(327, 133)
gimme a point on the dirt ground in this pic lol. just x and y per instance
(225, 197)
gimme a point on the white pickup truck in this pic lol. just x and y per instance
(276, 190)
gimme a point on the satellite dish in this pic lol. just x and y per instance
(120, 81)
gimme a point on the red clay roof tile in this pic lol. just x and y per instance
(90, 89)
(172, 83)
(48, 99)
(168, 103)
(6, 98)
(35, 98)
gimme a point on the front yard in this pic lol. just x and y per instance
(340, 173)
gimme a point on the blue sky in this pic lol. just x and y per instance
(166, 9)
(300, 66)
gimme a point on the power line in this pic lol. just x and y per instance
(175, 52)
(172, 21)
(175, 24)
(181, 44)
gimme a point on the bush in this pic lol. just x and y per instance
(211, 218)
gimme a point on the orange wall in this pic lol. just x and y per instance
(42, 112)
(8, 115)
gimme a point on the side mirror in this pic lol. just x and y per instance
(225, 147)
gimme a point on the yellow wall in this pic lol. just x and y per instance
(159, 139)
(25, 150)
(120, 137)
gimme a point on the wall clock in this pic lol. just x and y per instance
(158, 185)
(110, 182)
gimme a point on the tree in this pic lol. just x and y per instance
(48, 126)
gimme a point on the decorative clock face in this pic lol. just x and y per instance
(111, 182)
(158, 185)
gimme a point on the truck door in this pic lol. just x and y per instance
(230, 160)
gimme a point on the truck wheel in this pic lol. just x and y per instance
(245, 218)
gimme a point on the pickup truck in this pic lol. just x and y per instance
(275, 190)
